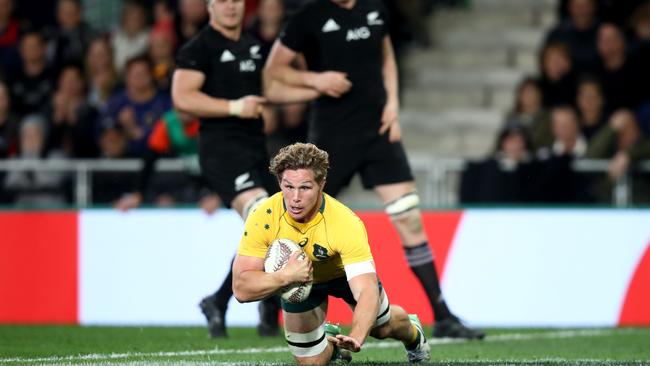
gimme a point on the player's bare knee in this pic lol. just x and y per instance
(405, 212)
(381, 332)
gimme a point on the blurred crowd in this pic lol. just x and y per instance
(90, 79)
(590, 99)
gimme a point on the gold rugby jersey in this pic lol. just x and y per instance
(335, 236)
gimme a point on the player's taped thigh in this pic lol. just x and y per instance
(307, 344)
(383, 314)
(403, 205)
(253, 203)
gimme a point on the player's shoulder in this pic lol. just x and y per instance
(197, 41)
(311, 7)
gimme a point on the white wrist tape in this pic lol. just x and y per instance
(235, 107)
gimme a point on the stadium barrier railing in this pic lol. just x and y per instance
(437, 178)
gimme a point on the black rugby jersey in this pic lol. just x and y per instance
(232, 70)
(333, 38)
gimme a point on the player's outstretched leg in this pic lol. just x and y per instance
(402, 205)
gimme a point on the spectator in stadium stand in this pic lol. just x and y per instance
(640, 23)
(284, 124)
(192, 17)
(353, 73)
(108, 187)
(34, 187)
(529, 113)
(32, 84)
(508, 176)
(69, 39)
(590, 103)
(10, 30)
(102, 14)
(100, 73)
(8, 125)
(131, 39)
(138, 106)
(114, 144)
(578, 31)
(622, 142)
(618, 71)
(174, 135)
(162, 51)
(557, 181)
(71, 118)
(558, 77)
(567, 137)
(163, 13)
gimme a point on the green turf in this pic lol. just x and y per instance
(71, 345)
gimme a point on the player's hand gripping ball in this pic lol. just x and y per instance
(277, 257)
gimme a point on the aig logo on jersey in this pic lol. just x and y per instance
(357, 34)
(247, 66)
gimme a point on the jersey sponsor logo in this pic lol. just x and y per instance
(243, 181)
(373, 18)
(227, 56)
(247, 66)
(330, 26)
(255, 51)
(357, 34)
(303, 242)
(320, 253)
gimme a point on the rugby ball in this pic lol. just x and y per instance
(277, 257)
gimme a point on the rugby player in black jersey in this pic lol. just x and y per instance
(351, 65)
(218, 79)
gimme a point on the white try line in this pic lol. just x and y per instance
(259, 350)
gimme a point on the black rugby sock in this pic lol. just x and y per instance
(223, 295)
(420, 259)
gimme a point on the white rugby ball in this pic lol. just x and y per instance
(277, 257)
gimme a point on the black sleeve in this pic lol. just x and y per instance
(295, 34)
(193, 55)
(385, 16)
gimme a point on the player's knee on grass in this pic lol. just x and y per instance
(309, 348)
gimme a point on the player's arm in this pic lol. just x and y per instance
(390, 115)
(279, 69)
(276, 91)
(366, 292)
(188, 97)
(251, 283)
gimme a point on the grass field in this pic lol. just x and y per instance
(70, 345)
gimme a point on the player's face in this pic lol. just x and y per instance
(302, 194)
(227, 13)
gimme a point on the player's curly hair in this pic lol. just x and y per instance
(301, 156)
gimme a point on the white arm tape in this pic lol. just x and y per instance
(355, 269)
(235, 107)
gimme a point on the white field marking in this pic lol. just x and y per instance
(500, 362)
(371, 345)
